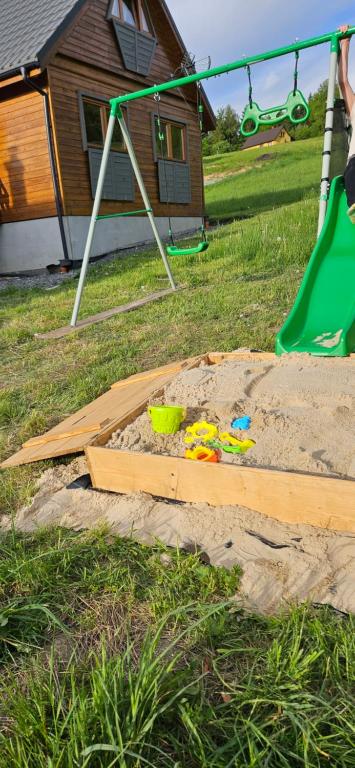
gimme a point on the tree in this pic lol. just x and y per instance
(226, 136)
(315, 124)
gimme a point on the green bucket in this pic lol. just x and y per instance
(166, 419)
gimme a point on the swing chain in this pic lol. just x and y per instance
(250, 86)
(295, 86)
(200, 109)
(161, 136)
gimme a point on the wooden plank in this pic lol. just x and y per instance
(116, 408)
(155, 387)
(145, 377)
(58, 333)
(286, 496)
(44, 439)
(214, 358)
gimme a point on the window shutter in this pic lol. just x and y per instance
(174, 182)
(119, 181)
(137, 48)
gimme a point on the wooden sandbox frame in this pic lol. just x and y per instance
(290, 497)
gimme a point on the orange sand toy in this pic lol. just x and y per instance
(202, 454)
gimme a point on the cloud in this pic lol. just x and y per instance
(232, 28)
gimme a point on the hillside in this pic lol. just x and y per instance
(241, 184)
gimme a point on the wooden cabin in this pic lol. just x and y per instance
(277, 135)
(60, 63)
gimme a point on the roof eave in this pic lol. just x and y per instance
(17, 70)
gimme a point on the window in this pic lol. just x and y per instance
(170, 140)
(96, 117)
(132, 12)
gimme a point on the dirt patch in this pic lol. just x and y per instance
(213, 178)
(282, 564)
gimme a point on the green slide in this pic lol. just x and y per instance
(322, 321)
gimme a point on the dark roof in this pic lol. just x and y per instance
(264, 137)
(29, 27)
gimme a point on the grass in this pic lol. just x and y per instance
(116, 654)
(159, 666)
(252, 185)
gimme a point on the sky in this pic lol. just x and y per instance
(227, 30)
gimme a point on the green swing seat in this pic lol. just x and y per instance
(173, 250)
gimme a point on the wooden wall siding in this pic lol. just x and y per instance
(92, 41)
(67, 79)
(26, 188)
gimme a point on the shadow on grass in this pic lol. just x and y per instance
(254, 204)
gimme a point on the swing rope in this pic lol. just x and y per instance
(295, 86)
(250, 86)
(173, 249)
(200, 110)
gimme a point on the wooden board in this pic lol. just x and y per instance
(58, 333)
(115, 409)
(286, 496)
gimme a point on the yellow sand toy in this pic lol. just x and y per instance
(234, 445)
(201, 430)
(231, 440)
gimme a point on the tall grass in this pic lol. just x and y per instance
(228, 690)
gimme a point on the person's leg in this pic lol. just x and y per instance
(349, 181)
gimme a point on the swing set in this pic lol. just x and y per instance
(296, 109)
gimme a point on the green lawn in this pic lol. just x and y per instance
(114, 654)
(291, 174)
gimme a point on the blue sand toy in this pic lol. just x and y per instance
(243, 423)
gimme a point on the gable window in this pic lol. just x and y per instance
(132, 12)
(170, 141)
(135, 34)
(96, 117)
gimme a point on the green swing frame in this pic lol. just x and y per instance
(333, 38)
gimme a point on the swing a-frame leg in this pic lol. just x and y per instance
(96, 209)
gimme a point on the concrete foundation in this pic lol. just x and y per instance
(29, 246)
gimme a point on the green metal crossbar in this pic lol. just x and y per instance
(119, 215)
(332, 37)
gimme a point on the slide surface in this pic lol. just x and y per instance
(322, 321)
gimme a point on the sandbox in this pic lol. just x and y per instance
(302, 467)
(285, 511)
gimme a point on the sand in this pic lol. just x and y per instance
(302, 413)
(302, 410)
